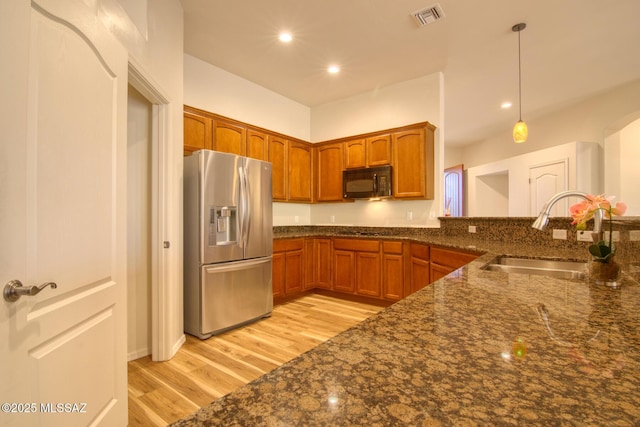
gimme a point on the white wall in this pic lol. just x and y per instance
(501, 188)
(138, 225)
(586, 120)
(404, 103)
(155, 45)
(387, 107)
(622, 171)
(213, 89)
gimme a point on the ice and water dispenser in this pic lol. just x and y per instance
(223, 225)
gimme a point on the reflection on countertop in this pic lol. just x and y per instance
(477, 347)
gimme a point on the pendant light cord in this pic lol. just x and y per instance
(519, 79)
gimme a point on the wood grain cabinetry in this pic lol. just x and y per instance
(368, 152)
(257, 146)
(356, 264)
(329, 173)
(445, 261)
(198, 132)
(419, 262)
(354, 154)
(288, 267)
(392, 270)
(378, 151)
(278, 159)
(304, 172)
(300, 171)
(413, 164)
(381, 269)
(317, 252)
(229, 138)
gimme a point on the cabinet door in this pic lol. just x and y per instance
(278, 274)
(329, 170)
(354, 153)
(344, 271)
(229, 138)
(439, 271)
(419, 267)
(413, 164)
(378, 150)
(310, 267)
(299, 172)
(409, 164)
(198, 131)
(368, 274)
(419, 274)
(293, 272)
(322, 249)
(257, 145)
(278, 159)
(392, 277)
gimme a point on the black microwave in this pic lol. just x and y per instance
(366, 183)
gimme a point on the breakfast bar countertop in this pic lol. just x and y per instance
(477, 347)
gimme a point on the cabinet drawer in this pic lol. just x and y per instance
(449, 258)
(285, 245)
(392, 247)
(420, 251)
(356, 245)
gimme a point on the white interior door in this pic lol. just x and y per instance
(544, 182)
(62, 216)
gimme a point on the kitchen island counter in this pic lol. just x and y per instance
(477, 347)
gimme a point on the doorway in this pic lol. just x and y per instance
(138, 225)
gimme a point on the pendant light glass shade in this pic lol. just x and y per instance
(520, 132)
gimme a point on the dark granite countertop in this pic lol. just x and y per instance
(477, 347)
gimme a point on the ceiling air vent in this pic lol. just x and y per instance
(428, 15)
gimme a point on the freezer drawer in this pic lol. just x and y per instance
(232, 294)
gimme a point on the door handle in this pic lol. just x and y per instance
(13, 290)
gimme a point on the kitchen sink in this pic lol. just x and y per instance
(561, 269)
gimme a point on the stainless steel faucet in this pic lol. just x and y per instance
(543, 219)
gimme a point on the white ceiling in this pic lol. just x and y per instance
(571, 49)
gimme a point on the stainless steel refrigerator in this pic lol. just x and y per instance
(228, 242)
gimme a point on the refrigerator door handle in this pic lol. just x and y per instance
(236, 266)
(246, 207)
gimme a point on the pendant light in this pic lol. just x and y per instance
(520, 131)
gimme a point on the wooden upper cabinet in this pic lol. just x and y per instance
(300, 170)
(368, 152)
(354, 154)
(278, 159)
(198, 131)
(413, 164)
(229, 138)
(378, 150)
(257, 145)
(329, 173)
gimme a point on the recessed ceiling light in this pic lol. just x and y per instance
(506, 105)
(333, 69)
(285, 37)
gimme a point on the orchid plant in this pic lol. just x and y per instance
(604, 249)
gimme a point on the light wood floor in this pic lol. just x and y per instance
(202, 371)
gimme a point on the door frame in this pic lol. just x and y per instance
(161, 346)
(564, 161)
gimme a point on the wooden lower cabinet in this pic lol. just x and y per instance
(393, 270)
(317, 255)
(288, 267)
(419, 260)
(368, 274)
(344, 273)
(445, 261)
(381, 269)
(356, 265)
